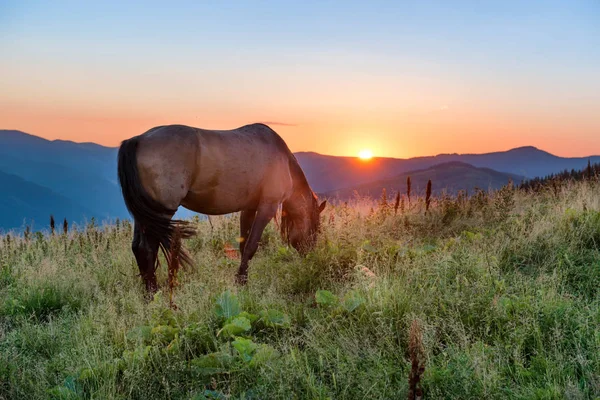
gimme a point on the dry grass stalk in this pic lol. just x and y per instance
(51, 224)
(408, 187)
(397, 203)
(174, 264)
(417, 360)
(65, 226)
(383, 201)
(428, 196)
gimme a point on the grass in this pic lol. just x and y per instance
(500, 291)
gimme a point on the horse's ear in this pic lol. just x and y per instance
(322, 206)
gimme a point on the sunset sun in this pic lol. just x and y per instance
(365, 154)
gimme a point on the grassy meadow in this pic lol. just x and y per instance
(492, 296)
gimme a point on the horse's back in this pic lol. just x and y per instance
(215, 171)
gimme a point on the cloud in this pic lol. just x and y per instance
(277, 123)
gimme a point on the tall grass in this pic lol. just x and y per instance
(491, 296)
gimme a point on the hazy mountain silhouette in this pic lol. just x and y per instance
(80, 156)
(84, 175)
(449, 177)
(326, 173)
(23, 202)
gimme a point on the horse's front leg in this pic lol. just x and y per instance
(246, 221)
(264, 213)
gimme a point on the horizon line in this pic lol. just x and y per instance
(329, 155)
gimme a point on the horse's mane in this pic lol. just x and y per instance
(301, 186)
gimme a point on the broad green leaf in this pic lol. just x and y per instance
(213, 394)
(213, 363)
(237, 326)
(368, 247)
(174, 346)
(428, 248)
(142, 333)
(263, 355)
(140, 354)
(86, 373)
(326, 298)
(164, 316)
(164, 333)
(62, 393)
(70, 383)
(275, 318)
(245, 347)
(352, 300)
(227, 305)
(251, 317)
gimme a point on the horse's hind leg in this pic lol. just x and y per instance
(145, 249)
(246, 220)
(264, 214)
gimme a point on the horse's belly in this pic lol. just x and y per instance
(219, 201)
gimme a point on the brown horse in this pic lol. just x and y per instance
(249, 169)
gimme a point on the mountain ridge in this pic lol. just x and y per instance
(85, 173)
(449, 177)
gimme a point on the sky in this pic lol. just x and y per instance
(401, 78)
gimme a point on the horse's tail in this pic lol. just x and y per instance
(152, 216)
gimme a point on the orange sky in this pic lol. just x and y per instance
(473, 80)
(337, 133)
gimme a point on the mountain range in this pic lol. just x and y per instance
(327, 173)
(448, 177)
(78, 181)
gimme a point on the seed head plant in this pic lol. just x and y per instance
(428, 196)
(417, 361)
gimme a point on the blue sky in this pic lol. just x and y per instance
(381, 70)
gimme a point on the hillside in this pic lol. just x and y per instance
(23, 202)
(493, 297)
(327, 173)
(449, 177)
(99, 160)
(85, 173)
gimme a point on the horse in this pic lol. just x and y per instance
(214, 172)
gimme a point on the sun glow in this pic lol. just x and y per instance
(365, 154)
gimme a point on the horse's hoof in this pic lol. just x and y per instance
(151, 291)
(241, 279)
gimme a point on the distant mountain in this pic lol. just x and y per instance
(327, 173)
(449, 177)
(23, 203)
(79, 156)
(84, 175)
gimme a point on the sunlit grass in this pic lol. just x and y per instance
(504, 289)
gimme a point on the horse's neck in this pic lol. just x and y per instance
(300, 201)
(301, 198)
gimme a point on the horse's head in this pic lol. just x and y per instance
(300, 223)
